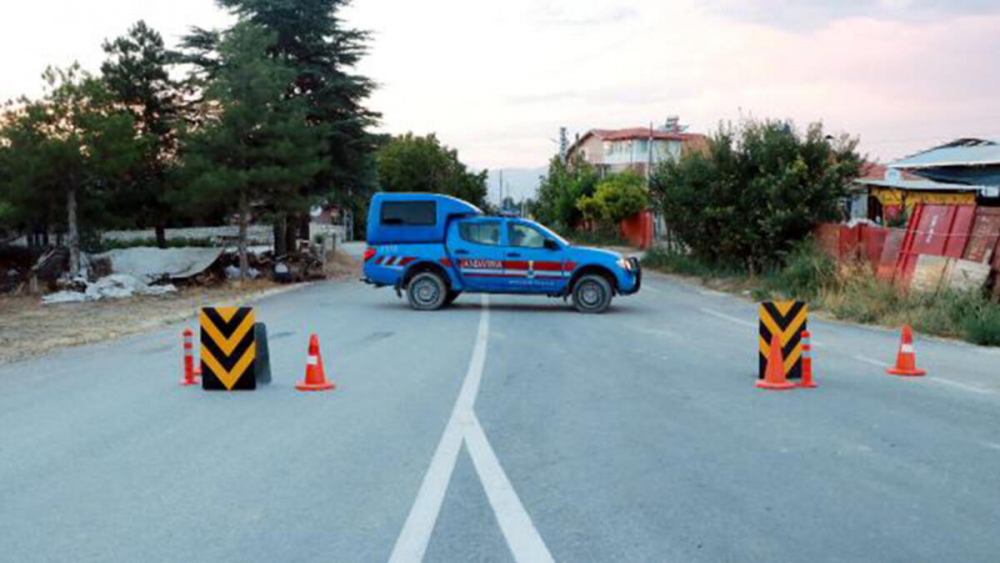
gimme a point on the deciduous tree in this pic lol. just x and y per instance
(413, 163)
(757, 190)
(560, 190)
(615, 199)
(72, 146)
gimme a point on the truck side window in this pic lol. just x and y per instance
(487, 233)
(524, 236)
(409, 213)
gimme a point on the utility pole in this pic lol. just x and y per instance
(563, 145)
(501, 190)
(649, 158)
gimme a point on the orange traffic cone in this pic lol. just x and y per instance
(315, 377)
(774, 375)
(906, 359)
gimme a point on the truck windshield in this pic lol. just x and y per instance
(549, 233)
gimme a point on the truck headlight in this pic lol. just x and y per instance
(625, 263)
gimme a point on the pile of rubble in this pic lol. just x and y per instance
(115, 286)
(126, 272)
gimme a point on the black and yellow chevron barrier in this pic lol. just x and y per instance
(228, 349)
(788, 320)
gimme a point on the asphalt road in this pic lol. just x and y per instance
(505, 429)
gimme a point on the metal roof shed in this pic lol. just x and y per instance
(964, 161)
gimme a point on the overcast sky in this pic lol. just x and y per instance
(497, 78)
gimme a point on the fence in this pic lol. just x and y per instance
(256, 234)
(965, 232)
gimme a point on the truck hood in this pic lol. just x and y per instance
(596, 254)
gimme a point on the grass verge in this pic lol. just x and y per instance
(850, 293)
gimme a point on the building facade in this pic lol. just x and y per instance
(639, 149)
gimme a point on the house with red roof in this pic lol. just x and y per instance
(639, 149)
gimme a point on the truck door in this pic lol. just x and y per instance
(531, 264)
(474, 246)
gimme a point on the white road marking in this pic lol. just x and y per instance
(522, 538)
(867, 360)
(740, 321)
(712, 293)
(654, 331)
(728, 317)
(652, 288)
(958, 385)
(416, 534)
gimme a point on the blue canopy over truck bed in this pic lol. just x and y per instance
(395, 218)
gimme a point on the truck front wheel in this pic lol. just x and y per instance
(592, 294)
(427, 291)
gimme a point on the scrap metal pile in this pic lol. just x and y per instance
(126, 272)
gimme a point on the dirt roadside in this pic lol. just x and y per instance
(29, 329)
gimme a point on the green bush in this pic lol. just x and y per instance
(853, 295)
(615, 199)
(807, 273)
(983, 326)
(755, 191)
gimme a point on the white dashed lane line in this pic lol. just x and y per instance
(957, 385)
(729, 318)
(860, 358)
(868, 360)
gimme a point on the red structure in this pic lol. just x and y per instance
(638, 230)
(953, 231)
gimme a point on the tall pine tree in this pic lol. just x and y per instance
(311, 39)
(255, 152)
(137, 74)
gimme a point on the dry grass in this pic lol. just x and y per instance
(29, 329)
(850, 293)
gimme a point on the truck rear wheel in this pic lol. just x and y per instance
(427, 291)
(592, 294)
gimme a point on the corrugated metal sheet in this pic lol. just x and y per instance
(919, 185)
(890, 254)
(985, 233)
(935, 230)
(963, 152)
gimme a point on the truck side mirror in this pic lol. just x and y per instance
(552, 245)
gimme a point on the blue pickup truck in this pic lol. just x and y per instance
(436, 247)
